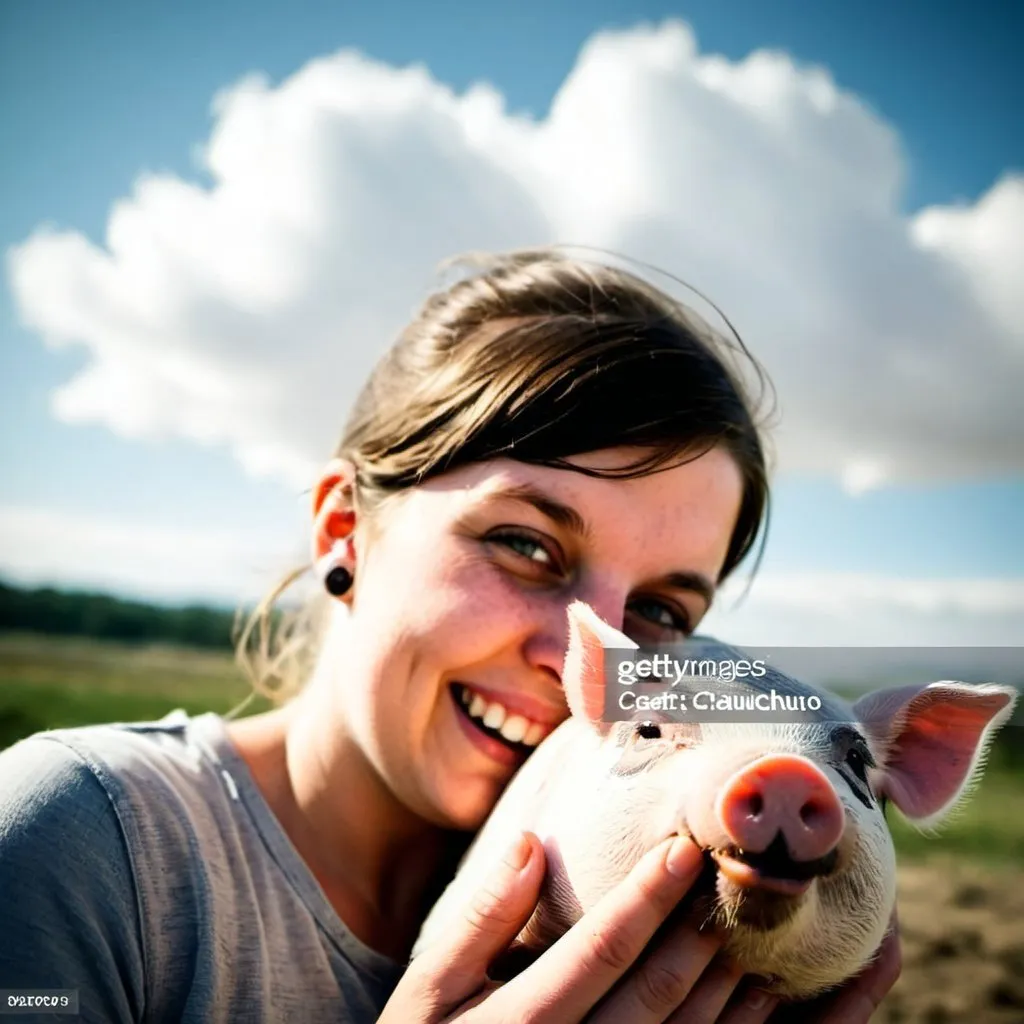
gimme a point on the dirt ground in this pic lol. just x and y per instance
(963, 945)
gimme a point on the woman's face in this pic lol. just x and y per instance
(457, 629)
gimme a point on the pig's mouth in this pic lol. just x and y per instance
(773, 869)
(762, 890)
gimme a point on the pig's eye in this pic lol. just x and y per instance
(858, 764)
(648, 731)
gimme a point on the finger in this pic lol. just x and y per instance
(712, 992)
(591, 957)
(663, 979)
(751, 1005)
(460, 1015)
(859, 998)
(455, 968)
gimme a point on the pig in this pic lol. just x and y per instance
(800, 867)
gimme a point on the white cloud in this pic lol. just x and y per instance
(984, 240)
(41, 546)
(869, 609)
(248, 314)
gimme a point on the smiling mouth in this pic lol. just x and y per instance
(515, 732)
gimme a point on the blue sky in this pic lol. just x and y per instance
(95, 95)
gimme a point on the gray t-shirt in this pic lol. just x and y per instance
(140, 865)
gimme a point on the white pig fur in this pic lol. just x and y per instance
(596, 821)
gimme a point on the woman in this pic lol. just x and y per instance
(543, 431)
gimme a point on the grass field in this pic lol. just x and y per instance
(961, 894)
(51, 682)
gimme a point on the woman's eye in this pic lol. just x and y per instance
(661, 614)
(526, 546)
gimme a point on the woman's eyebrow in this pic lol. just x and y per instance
(694, 581)
(567, 516)
(556, 511)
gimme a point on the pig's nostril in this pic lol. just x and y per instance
(812, 813)
(781, 794)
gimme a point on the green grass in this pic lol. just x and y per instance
(51, 682)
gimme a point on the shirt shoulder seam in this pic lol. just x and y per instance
(121, 810)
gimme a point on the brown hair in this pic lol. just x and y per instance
(537, 357)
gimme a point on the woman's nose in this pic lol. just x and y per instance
(607, 599)
(547, 645)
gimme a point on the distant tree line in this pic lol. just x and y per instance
(47, 610)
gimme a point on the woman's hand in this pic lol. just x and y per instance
(592, 972)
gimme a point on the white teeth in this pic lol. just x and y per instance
(534, 734)
(494, 716)
(514, 728)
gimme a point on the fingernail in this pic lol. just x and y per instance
(758, 998)
(519, 853)
(683, 859)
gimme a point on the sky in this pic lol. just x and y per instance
(216, 216)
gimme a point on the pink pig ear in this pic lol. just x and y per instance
(583, 674)
(931, 742)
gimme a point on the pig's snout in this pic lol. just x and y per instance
(782, 795)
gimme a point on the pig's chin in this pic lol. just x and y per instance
(730, 897)
(761, 906)
(762, 914)
(764, 891)
(740, 892)
(760, 891)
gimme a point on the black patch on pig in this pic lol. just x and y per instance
(856, 790)
(847, 741)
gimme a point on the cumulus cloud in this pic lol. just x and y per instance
(246, 314)
(828, 608)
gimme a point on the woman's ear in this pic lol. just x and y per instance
(334, 517)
